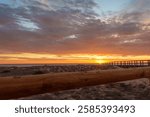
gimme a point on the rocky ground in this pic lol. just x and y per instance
(127, 90)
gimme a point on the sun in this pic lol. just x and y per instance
(101, 61)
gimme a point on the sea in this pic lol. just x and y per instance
(30, 65)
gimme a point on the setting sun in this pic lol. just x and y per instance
(101, 61)
(39, 58)
(82, 35)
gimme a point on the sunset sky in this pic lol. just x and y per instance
(73, 31)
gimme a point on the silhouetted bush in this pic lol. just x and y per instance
(38, 72)
(5, 71)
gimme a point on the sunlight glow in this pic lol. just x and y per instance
(24, 58)
(101, 61)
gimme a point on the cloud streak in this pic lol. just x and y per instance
(73, 27)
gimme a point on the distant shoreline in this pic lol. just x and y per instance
(56, 64)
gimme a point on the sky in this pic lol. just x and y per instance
(73, 31)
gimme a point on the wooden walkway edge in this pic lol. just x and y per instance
(130, 63)
(11, 87)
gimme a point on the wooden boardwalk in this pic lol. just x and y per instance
(130, 63)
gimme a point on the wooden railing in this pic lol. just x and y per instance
(130, 63)
(11, 87)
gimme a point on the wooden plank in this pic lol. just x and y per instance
(11, 87)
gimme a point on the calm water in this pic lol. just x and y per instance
(29, 65)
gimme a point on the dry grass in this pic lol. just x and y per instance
(11, 87)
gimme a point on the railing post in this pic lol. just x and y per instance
(135, 63)
(140, 63)
(148, 62)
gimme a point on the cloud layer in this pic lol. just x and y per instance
(73, 27)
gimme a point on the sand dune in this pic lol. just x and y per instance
(14, 87)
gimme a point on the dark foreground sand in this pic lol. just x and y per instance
(134, 90)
